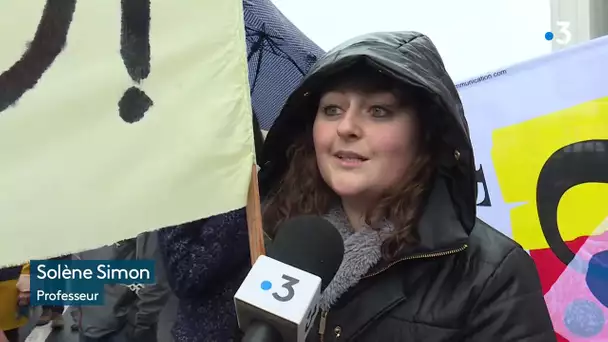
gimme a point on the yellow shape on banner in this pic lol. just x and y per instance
(76, 172)
(519, 153)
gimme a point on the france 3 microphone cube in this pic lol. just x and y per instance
(280, 295)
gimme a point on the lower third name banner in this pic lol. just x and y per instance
(83, 282)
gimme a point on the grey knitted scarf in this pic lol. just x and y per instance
(362, 251)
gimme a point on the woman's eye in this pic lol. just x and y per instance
(379, 112)
(331, 110)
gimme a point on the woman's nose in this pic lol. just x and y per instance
(349, 126)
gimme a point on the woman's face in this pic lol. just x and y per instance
(364, 142)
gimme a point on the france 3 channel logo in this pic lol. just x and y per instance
(564, 35)
(288, 293)
(289, 286)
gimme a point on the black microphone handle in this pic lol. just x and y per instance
(261, 332)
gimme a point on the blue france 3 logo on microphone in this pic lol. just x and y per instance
(279, 291)
(266, 285)
(288, 285)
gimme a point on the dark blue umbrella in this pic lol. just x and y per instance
(279, 55)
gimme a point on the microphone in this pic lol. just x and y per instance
(278, 300)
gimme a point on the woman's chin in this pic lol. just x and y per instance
(347, 190)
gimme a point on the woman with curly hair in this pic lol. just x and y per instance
(375, 141)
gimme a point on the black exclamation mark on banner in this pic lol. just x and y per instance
(41, 52)
(135, 53)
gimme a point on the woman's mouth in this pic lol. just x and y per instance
(350, 159)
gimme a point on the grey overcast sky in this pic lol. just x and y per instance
(473, 36)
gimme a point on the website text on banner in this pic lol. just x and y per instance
(117, 119)
(540, 133)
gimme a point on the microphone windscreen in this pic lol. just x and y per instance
(309, 243)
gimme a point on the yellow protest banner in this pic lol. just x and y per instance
(580, 126)
(118, 118)
(540, 134)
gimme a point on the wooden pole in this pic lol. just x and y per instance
(254, 218)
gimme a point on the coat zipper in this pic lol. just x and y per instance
(324, 314)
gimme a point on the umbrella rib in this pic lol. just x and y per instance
(258, 65)
(261, 32)
(256, 47)
(273, 45)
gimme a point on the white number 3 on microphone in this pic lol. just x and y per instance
(280, 295)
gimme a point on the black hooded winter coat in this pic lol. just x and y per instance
(464, 281)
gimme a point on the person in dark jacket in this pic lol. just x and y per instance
(375, 140)
(206, 262)
(130, 312)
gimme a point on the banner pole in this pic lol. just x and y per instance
(254, 218)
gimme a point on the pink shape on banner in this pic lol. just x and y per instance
(576, 313)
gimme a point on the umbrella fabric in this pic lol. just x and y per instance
(279, 55)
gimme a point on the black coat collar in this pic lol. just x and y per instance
(440, 230)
